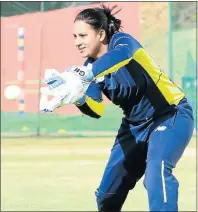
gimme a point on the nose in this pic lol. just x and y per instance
(78, 42)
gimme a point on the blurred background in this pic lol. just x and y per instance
(166, 30)
(38, 35)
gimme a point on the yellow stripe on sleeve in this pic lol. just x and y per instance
(169, 90)
(97, 107)
(114, 68)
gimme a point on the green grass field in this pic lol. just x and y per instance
(62, 175)
(13, 123)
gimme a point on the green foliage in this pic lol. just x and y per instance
(183, 15)
(23, 7)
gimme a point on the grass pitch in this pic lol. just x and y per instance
(62, 175)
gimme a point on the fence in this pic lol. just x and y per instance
(48, 44)
(170, 36)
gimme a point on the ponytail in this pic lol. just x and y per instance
(114, 24)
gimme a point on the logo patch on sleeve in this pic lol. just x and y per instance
(100, 79)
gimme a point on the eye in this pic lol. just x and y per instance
(82, 35)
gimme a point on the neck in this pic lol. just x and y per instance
(103, 50)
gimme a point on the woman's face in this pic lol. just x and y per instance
(87, 39)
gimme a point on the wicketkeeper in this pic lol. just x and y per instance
(158, 121)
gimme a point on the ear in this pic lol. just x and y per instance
(102, 35)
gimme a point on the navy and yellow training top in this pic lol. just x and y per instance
(129, 77)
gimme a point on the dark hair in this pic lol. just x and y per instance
(101, 18)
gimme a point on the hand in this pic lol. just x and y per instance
(74, 87)
(55, 81)
(84, 73)
(66, 84)
(46, 105)
(66, 88)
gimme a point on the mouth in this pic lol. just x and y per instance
(81, 49)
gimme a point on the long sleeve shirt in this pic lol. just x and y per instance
(129, 77)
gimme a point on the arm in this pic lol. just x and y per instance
(121, 50)
(92, 103)
(122, 47)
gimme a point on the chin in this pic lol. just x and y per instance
(84, 55)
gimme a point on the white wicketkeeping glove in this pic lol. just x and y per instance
(48, 105)
(66, 88)
(84, 73)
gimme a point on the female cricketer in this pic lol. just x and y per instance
(158, 121)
